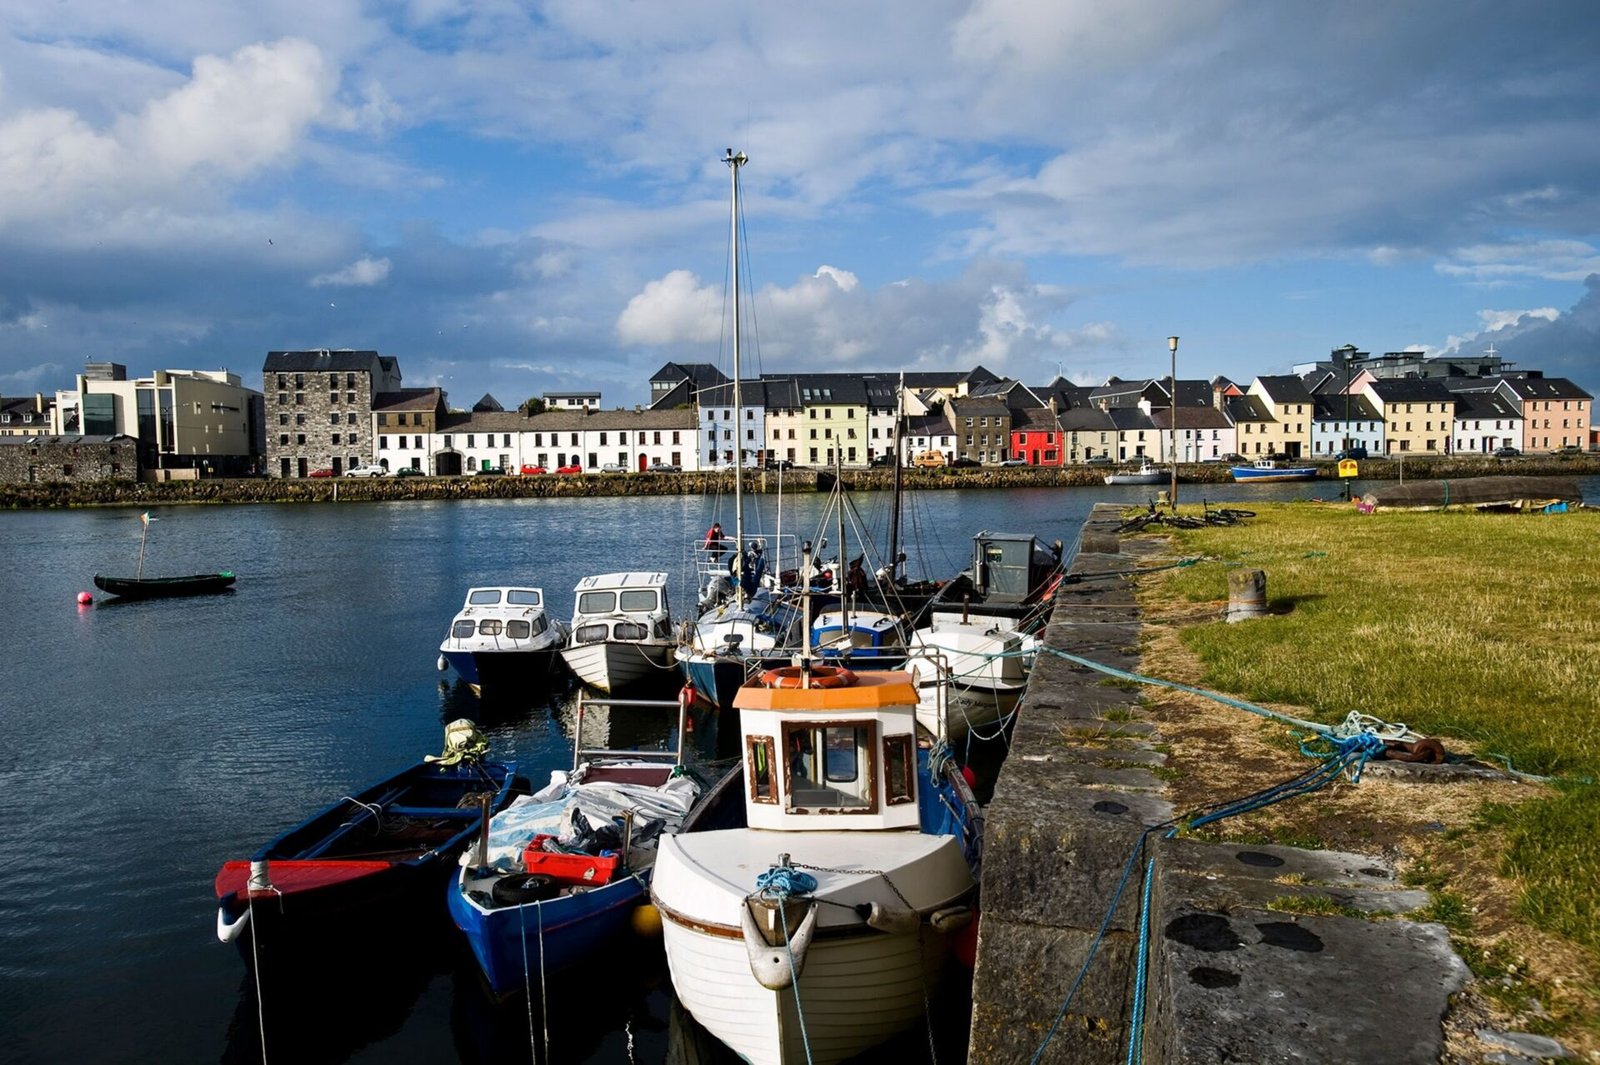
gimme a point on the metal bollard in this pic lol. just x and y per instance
(1247, 594)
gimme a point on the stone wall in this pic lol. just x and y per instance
(67, 460)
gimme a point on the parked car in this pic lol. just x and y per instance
(569, 469)
(1570, 450)
(883, 460)
(1098, 460)
(369, 470)
(779, 464)
(964, 463)
(1507, 453)
(664, 467)
(532, 471)
(1352, 453)
(1015, 462)
(1233, 456)
(487, 471)
(613, 467)
(409, 471)
(929, 459)
(325, 471)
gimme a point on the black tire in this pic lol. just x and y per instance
(521, 888)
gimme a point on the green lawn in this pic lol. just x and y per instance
(1484, 628)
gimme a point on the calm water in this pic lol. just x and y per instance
(142, 744)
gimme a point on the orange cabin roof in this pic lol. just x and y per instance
(870, 691)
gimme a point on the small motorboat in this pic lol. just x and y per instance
(560, 872)
(1145, 474)
(165, 587)
(502, 636)
(1273, 470)
(621, 630)
(373, 862)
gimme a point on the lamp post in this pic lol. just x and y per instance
(1172, 343)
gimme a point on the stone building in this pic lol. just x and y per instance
(70, 459)
(319, 406)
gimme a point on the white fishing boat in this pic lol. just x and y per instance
(809, 914)
(621, 630)
(1145, 474)
(970, 673)
(502, 637)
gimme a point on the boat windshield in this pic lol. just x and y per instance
(639, 602)
(524, 597)
(484, 596)
(830, 765)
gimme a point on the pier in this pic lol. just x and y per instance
(1079, 809)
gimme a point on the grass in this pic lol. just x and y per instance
(1477, 628)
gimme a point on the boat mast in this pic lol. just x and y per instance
(894, 511)
(735, 161)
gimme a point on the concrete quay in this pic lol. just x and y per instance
(1229, 980)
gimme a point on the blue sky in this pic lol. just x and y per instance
(520, 197)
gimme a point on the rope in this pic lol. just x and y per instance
(1136, 1021)
(255, 968)
(782, 881)
(794, 981)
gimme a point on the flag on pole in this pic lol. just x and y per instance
(145, 517)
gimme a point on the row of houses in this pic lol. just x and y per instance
(329, 410)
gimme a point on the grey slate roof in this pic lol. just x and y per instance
(1285, 388)
(1526, 388)
(1331, 408)
(324, 360)
(407, 399)
(1411, 390)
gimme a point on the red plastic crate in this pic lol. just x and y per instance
(567, 868)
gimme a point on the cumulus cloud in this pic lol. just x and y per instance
(364, 272)
(234, 117)
(674, 309)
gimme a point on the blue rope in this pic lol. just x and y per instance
(1136, 1020)
(781, 881)
(794, 977)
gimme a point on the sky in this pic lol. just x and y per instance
(514, 198)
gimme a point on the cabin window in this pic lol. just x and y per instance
(524, 597)
(898, 770)
(462, 629)
(484, 597)
(639, 601)
(629, 630)
(831, 766)
(518, 630)
(759, 760)
(489, 627)
(597, 602)
(590, 633)
(537, 625)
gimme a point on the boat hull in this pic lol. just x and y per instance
(1286, 473)
(614, 665)
(165, 587)
(504, 670)
(1151, 477)
(516, 946)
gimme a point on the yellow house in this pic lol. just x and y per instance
(834, 425)
(1290, 406)
(1418, 413)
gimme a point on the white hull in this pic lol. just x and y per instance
(858, 986)
(610, 665)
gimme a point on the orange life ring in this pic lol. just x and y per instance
(821, 677)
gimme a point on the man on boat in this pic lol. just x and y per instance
(713, 544)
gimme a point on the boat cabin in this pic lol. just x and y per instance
(825, 758)
(493, 614)
(630, 607)
(1010, 567)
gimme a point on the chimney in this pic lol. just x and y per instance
(1219, 398)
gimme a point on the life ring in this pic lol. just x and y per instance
(821, 677)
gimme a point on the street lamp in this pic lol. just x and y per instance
(1172, 342)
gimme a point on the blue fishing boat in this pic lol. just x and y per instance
(559, 873)
(502, 638)
(379, 856)
(1272, 470)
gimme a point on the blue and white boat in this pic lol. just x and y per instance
(1273, 470)
(502, 637)
(560, 872)
(621, 630)
(736, 638)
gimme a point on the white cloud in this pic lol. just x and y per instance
(1550, 260)
(672, 310)
(364, 272)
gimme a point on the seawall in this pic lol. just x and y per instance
(1078, 811)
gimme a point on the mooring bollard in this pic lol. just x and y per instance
(1247, 594)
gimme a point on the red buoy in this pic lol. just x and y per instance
(84, 598)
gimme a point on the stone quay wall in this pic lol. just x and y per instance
(1229, 980)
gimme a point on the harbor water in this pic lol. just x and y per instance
(145, 743)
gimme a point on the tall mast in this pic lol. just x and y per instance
(735, 161)
(894, 511)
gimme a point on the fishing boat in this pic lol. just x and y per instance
(559, 873)
(1264, 470)
(809, 913)
(621, 630)
(165, 587)
(502, 637)
(369, 863)
(747, 621)
(1145, 474)
(970, 673)
(141, 587)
